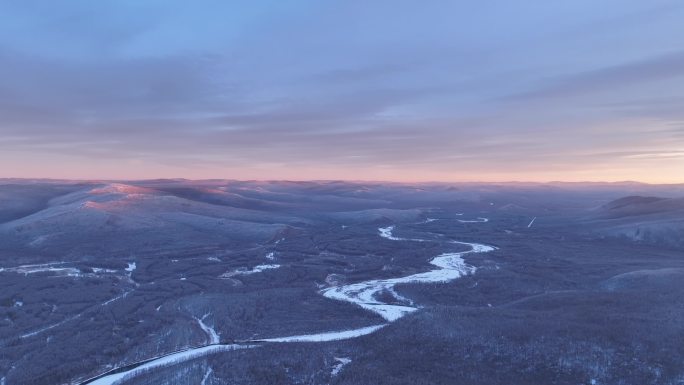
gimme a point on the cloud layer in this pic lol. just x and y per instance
(402, 90)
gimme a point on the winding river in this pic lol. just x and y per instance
(449, 266)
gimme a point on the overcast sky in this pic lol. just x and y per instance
(384, 90)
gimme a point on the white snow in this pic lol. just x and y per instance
(170, 359)
(270, 255)
(341, 362)
(208, 330)
(214, 259)
(328, 336)
(206, 376)
(428, 220)
(45, 267)
(73, 317)
(131, 267)
(386, 232)
(254, 270)
(531, 222)
(41, 330)
(259, 269)
(477, 220)
(124, 295)
(363, 294)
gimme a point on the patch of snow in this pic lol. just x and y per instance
(214, 259)
(477, 220)
(428, 220)
(328, 336)
(124, 295)
(341, 362)
(131, 267)
(386, 232)
(209, 331)
(270, 255)
(206, 376)
(254, 270)
(18, 303)
(41, 330)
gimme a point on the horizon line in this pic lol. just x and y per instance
(374, 181)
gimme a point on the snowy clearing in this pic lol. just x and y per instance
(341, 362)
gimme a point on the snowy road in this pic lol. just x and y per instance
(170, 359)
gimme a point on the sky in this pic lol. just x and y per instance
(491, 90)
